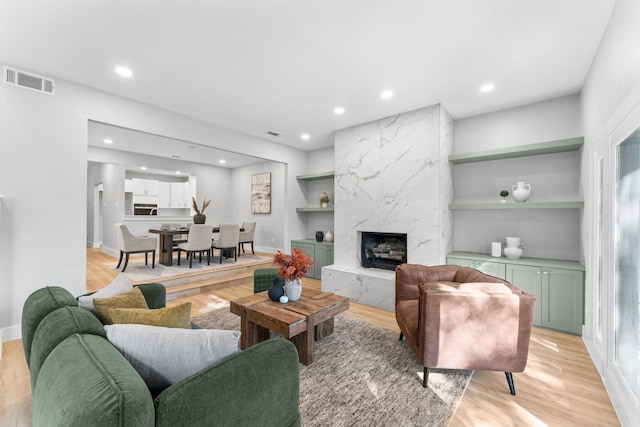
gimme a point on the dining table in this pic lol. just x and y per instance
(165, 253)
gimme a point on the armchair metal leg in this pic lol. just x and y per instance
(425, 377)
(512, 387)
(401, 336)
(153, 259)
(120, 260)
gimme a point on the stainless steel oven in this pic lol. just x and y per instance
(145, 209)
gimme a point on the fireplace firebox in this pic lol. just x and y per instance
(383, 250)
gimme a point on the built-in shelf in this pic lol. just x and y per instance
(529, 205)
(327, 209)
(550, 147)
(316, 176)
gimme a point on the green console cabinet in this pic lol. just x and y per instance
(557, 284)
(321, 252)
(495, 269)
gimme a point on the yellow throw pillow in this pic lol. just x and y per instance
(178, 316)
(130, 299)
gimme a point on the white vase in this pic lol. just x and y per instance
(520, 191)
(293, 288)
(512, 242)
(328, 236)
(513, 253)
(514, 248)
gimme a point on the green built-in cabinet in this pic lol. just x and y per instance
(558, 285)
(321, 252)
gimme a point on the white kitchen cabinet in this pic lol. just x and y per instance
(128, 186)
(180, 195)
(145, 187)
(164, 194)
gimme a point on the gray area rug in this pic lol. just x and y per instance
(137, 270)
(363, 376)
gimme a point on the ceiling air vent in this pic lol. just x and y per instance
(273, 133)
(30, 81)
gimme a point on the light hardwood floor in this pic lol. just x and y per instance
(560, 386)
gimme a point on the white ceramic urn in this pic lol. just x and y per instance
(521, 191)
(514, 248)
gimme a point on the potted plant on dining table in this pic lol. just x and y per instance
(199, 217)
(291, 269)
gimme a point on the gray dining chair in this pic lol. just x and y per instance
(246, 236)
(227, 240)
(198, 241)
(130, 244)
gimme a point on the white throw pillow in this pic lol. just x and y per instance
(120, 285)
(165, 356)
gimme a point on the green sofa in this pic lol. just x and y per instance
(79, 379)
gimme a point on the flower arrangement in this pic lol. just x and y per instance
(292, 266)
(194, 204)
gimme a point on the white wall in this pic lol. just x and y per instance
(610, 110)
(269, 235)
(43, 178)
(321, 160)
(550, 120)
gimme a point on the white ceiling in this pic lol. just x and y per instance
(133, 141)
(283, 65)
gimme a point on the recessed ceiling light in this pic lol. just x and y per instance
(338, 110)
(487, 87)
(124, 72)
(305, 136)
(144, 168)
(108, 141)
(178, 172)
(223, 161)
(386, 94)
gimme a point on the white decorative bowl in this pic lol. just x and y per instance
(513, 253)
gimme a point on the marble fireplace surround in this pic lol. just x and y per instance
(391, 176)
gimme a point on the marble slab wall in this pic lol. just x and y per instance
(392, 175)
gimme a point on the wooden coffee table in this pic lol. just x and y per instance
(301, 322)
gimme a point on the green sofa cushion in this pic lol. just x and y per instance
(263, 278)
(37, 306)
(238, 391)
(55, 328)
(154, 293)
(85, 381)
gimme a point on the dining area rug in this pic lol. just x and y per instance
(137, 271)
(363, 375)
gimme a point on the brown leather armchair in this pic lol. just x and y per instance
(459, 318)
